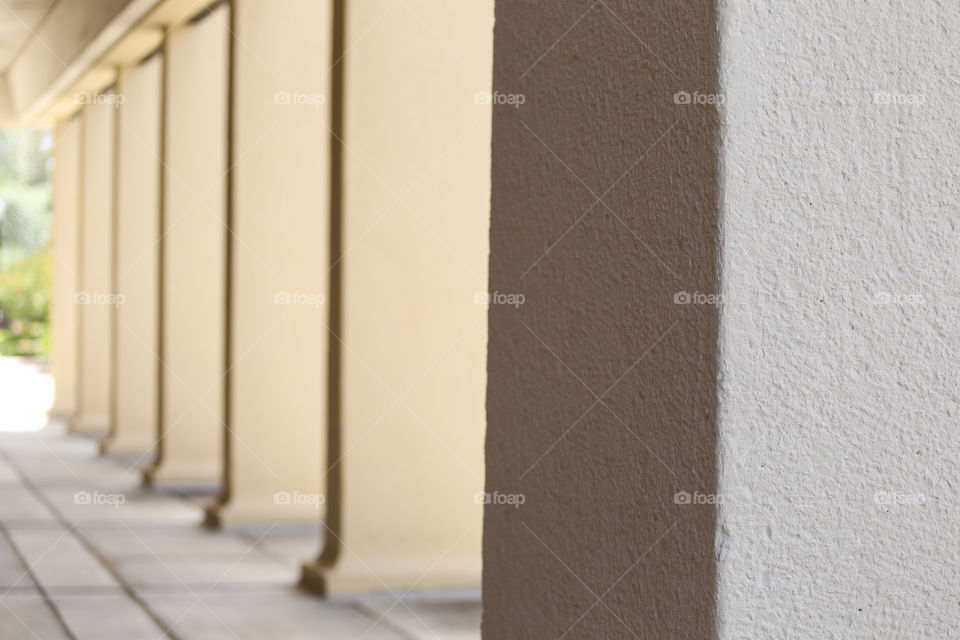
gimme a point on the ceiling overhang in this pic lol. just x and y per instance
(80, 48)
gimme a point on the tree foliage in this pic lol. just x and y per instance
(26, 165)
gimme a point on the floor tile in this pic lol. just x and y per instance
(293, 548)
(450, 620)
(22, 505)
(82, 522)
(166, 543)
(57, 559)
(282, 616)
(85, 616)
(13, 575)
(253, 569)
(121, 507)
(9, 477)
(26, 616)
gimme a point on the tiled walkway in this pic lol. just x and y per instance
(86, 553)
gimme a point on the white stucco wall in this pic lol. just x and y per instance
(839, 334)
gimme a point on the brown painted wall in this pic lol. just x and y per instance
(602, 391)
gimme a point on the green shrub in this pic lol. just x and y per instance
(25, 306)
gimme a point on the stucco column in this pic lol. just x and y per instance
(405, 461)
(730, 398)
(65, 243)
(134, 428)
(839, 454)
(96, 298)
(280, 221)
(193, 262)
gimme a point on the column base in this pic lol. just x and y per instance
(394, 573)
(263, 511)
(61, 412)
(126, 445)
(89, 424)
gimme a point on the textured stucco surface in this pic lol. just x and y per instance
(601, 393)
(834, 205)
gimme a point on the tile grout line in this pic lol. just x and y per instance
(71, 529)
(77, 528)
(276, 556)
(383, 621)
(28, 573)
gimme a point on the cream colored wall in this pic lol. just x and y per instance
(416, 213)
(194, 275)
(135, 421)
(63, 311)
(96, 298)
(280, 258)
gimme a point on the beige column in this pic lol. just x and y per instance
(134, 428)
(96, 298)
(194, 254)
(408, 446)
(280, 262)
(64, 317)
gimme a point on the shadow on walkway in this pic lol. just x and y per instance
(85, 552)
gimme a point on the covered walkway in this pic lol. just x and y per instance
(87, 552)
